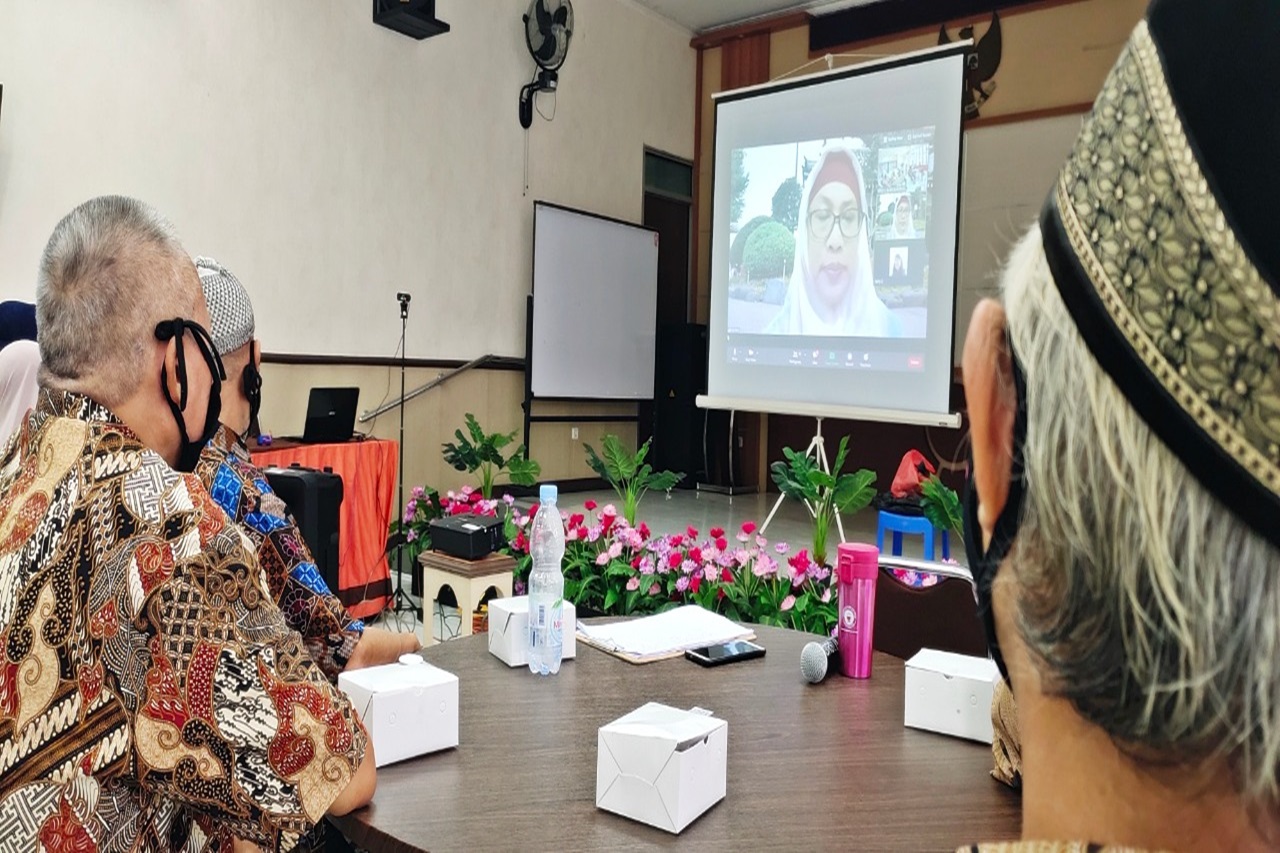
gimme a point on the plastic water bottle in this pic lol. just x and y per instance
(546, 585)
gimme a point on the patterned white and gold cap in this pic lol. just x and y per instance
(1161, 237)
(230, 310)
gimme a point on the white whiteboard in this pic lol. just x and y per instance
(1008, 171)
(595, 306)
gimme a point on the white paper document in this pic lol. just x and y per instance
(687, 627)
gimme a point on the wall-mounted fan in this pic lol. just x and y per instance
(547, 27)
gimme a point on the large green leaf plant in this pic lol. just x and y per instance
(801, 478)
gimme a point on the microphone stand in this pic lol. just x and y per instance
(400, 601)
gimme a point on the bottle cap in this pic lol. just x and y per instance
(857, 561)
(548, 493)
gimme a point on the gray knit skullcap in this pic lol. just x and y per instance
(230, 311)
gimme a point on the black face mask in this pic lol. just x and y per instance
(251, 382)
(985, 563)
(189, 451)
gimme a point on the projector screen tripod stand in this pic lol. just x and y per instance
(818, 450)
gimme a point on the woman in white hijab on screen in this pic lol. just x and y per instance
(832, 291)
(19, 366)
(904, 224)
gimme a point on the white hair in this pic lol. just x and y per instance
(111, 271)
(1143, 600)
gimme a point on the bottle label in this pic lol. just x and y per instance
(848, 617)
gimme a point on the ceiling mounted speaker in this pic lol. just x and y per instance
(414, 18)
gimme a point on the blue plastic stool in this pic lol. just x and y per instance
(914, 524)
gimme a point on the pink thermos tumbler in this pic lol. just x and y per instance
(857, 566)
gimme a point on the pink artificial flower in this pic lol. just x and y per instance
(691, 532)
(609, 511)
(721, 544)
(761, 542)
(582, 531)
(655, 589)
(594, 532)
(479, 496)
(743, 537)
(576, 519)
(419, 492)
(695, 581)
(518, 589)
(765, 566)
(644, 529)
(602, 559)
(748, 527)
(742, 557)
(716, 532)
(674, 559)
(782, 548)
(509, 500)
(589, 505)
(695, 554)
(725, 575)
(633, 584)
(682, 583)
(708, 572)
(571, 535)
(615, 551)
(689, 567)
(467, 490)
(412, 535)
(787, 603)
(646, 566)
(826, 595)
(676, 540)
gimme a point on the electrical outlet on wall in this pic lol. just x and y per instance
(573, 433)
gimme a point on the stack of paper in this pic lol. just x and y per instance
(663, 634)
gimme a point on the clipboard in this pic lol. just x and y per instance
(718, 630)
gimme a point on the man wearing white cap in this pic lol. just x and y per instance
(335, 640)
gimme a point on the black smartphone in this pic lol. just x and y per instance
(730, 652)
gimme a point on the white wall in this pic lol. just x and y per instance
(330, 162)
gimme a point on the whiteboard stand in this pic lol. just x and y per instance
(731, 488)
(818, 450)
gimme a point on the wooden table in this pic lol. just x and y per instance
(827, 766)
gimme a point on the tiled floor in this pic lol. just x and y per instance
(682, 508)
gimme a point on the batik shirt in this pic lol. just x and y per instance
(152, 697)
(310, 608)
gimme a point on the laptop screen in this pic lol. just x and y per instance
(331, 415)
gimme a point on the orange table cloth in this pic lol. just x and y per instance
(368, 472)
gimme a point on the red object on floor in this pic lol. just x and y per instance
(368, 472)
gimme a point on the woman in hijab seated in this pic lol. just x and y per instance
(1123, 517)
(19, 368)
(832, 291)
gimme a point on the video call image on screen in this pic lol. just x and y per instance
(829, 237)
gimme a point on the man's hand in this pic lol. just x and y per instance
(377, 646)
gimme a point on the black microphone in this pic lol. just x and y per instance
(814, 659)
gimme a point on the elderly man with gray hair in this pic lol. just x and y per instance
(151, 695)
(1123, 518)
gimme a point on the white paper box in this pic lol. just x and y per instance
(950, 694)
(509, 630)
(662, 766)
(408, 708)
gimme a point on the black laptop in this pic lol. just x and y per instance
(331, 415)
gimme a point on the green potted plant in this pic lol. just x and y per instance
(825, 494)
(627, 473)
(478, 451)
(941, 505)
